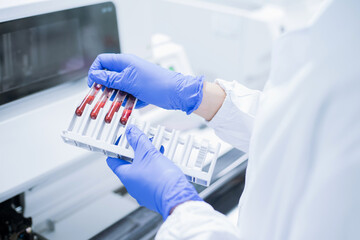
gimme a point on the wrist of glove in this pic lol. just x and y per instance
(152, 179)
(190, 93)
(148, 82)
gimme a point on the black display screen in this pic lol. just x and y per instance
(46, 50)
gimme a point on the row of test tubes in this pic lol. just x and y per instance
(99, 120)
(98, 127)
(115, 106)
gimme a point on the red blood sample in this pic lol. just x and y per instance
(96, 109)
(89, 98)
(80, 109)
(128, 109)
(101, 103)
(115, 106)
(125, 116)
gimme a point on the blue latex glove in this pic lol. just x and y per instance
(152, 179)
(150, 83)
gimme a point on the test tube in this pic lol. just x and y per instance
(89, 98)
(115, 106)
(128, 109)
(101, 103)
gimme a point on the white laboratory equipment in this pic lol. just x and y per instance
(235, 36)
(51, 190)
(169, 55)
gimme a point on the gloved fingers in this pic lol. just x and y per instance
(162, 149)
(118, 166)
(96, 65)
(138, 140)
(109, 79)
(111, 61)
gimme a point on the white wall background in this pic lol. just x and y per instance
(218, 45)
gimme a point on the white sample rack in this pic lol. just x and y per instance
(195, 157)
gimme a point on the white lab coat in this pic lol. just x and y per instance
(303, 138)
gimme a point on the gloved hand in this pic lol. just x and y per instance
(150, 83)
(152, 179)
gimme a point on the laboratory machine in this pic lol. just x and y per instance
(52, 190)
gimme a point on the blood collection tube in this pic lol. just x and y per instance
(115, 106)
(128, 109)
(101, 103)
(89, 98)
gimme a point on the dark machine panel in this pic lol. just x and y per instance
(42, 51)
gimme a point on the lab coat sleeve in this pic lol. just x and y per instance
(197, 220)
(234, 121)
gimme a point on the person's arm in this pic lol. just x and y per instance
(213, 98)
(152, 179)
(232, 116)
(197, 220)
(230, 109)
(158, 184)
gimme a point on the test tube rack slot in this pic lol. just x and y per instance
(195, 157)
